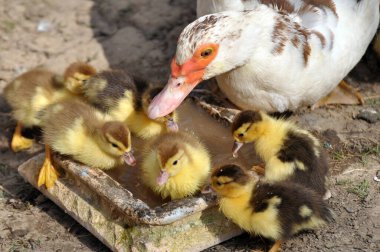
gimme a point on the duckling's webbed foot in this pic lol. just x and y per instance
(342, 94)
(48, 174)
(19, 142)
(276, 246)
(258, 169)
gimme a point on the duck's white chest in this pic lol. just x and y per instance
(248, 90)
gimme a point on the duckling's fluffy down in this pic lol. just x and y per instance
(192, 174)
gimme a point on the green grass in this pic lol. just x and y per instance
(373, 150)
(339, 155)
(343, 182)
(361, 189)
(372, 101)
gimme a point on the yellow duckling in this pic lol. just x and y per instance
(144, 127)
(35, 90)
(289, 152)
(77, 129)
(175, 165)
(126, 98)
(273, 210)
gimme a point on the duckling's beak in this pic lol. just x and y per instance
(172, 125)
(129, 158)
(236, 148)
(163, 177)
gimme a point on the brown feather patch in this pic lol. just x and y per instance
(328, 4)
(282, 5)
(321, 38)
(168, 144)
(79, 67)
(117, 131)
(166, 151)
(286, 31)
(280, 36)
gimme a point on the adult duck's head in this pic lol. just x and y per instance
(210, 46)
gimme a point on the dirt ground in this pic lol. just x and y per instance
(141, 36)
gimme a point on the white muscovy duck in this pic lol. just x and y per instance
(273, 55)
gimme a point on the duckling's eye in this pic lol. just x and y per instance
(206, 52)
(114, 145)
(241, 135)
(175, 162)
(218, 183)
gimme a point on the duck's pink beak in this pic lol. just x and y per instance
(170, 97)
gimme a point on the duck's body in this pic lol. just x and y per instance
(76, 129)
(273, 210)
(295, 81)
(290, 153)
(175, 165)
(125, 98)
(272, 55)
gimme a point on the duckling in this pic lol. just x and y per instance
(143, 126)
(126, 98)
(273, 210)
(74, 128)
(175, 165)
(289, 152)
(33, 91)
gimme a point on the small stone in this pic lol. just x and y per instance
(349, 209)
(330, 245)
(44, 26)
(369, 115)
(20, 232)
(11, 201)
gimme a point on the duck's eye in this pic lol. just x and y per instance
(175, 162)
(218, 183)
(114, 145)
(206, 52)
(241, 135)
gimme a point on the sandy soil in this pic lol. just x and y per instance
(141, 36)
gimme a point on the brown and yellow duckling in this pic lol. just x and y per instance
(273, 210)
(175, 165)
(77, 129)
(289, 152)
(33, 91)
(126, 98)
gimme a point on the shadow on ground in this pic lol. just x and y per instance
(140, 35)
